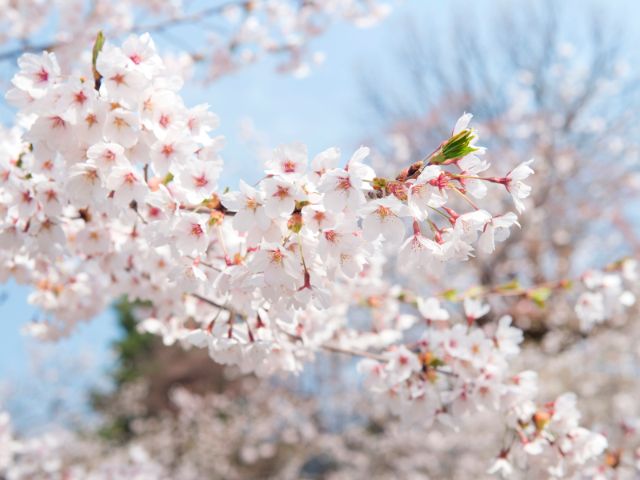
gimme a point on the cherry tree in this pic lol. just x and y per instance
(110, 187)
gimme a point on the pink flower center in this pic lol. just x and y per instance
(120, 122)
(343, 183)
(331, 235)
(196, 230)
(251, 204)
(319, 217)
(154, 212)
(200, 181)
(109, 156)
(43, 75)
(91, 119)
(57, 122)
(383, 211)
(281, 192)
(164, 121)
(118, 79)
(167, 150)
(276, 256)
(79, 97)
(441, 182)
(289, 166)
(91, 175)
(130, 178)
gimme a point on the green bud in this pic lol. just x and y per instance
(456, 147)
(436, 362)
(379, 183)
(295, 222)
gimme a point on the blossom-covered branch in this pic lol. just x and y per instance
(238, 32)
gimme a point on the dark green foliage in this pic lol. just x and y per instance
(133, 347)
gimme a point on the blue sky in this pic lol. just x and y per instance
(322, 110)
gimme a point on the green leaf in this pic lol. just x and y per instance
(512, 285)
(539, 295)
(450, 295)
(97, 47)
(459, 145)
(167, 179)
(436, 362)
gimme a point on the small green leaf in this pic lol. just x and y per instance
(512, 285)
(450, 295)
(459, 145)
(97, 47)
(168, 178)
(436, 362)
(539, 295)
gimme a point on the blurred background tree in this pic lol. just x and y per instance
(570, 101)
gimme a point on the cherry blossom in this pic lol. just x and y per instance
(515, 185)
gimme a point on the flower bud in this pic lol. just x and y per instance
(295, 223)
(457, 146)
(541, 419)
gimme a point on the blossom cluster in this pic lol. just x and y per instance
(606, 293)
(73, 196)
(114, 191)
(456, 370)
